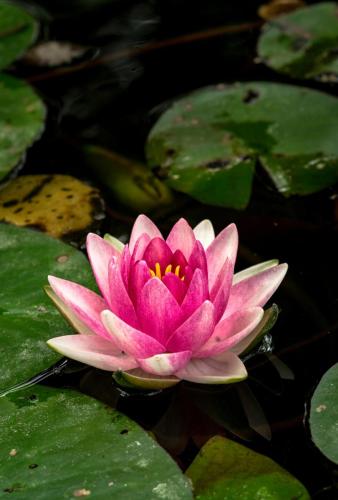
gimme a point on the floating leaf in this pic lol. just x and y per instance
(66, 445)
(18, 30)
(59, 205)
(303, 44)
(324, 414)
(130, 182)
(22, 116)
(207, 144)
(225, 470)
(27, 316)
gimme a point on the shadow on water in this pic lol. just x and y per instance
(149, 53)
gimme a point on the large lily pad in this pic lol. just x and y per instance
(304, 43)
(67, 445)
(207, 144)
(59, 205)
(324, 414)
(22, 115)
(27, 316)
(226, 470)
(18, 30)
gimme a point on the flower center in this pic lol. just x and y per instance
(157, 273)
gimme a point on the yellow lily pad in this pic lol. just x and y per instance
(59, 205)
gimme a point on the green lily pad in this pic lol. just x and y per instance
(27, 316)
(304, 43)
(207, 143)
(66, 445)
(22, 115)
(324, 414)
(226, 470)
(18, 30)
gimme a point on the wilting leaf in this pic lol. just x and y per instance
(303, 44)
(27, 316)
(66, 445)
(225, 470)
(18, 30)
(130, 182)
(324, 414)
(22, 116)
(208, 143)
(59, 205)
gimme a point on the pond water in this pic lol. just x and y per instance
(145, 60)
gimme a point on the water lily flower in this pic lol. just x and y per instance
(171, 309)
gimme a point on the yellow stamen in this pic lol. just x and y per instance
(168, 269)
(152, 274)
(158, 270)
(177, 271)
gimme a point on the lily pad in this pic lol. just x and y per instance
(22, 115)
(208, 143)
(303, 44)
(18, 30)
(324, 414)
(59, 205)
(27, 316)
(226, 470)
(66, 445)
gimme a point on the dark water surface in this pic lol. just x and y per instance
(145, 60)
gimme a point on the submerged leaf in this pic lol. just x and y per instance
(225, 470)
(59, 205)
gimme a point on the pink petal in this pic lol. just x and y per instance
(178, 259)
(100, 254)
(125, 265)
(86, 304)
(139, 248)
(157, 251)
(230, 331)
(139, 275)
(128, 339)
(198, 258)
(253, 270)
(158, 312)
(195, 331)
(223, 247)
(120, 302)
(143, 225)
(196, 294)
(221, 289)
(204, 232)
(92, 350)
(176, 286)
(181, 237)
(225, 370)
(165, 364)
(256, 290)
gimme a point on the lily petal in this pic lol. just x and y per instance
(221, 289)
(116, 243)
(176, 286)
(165, 364)
(92, 350)
(225, 370)
(158, 311)
(143, 225)
(157, 251)
(204, 232)
(253, 270)
(196, 294)
(198, 259)
(181, 237)
(230, 331)
(255, 290)
(195, 331)
(144, 380)
(87, 305)
(100, 254)
(128, 339)
(223, 247)
(120, 302)
(139, 275)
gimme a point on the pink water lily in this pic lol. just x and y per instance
(171, 309)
